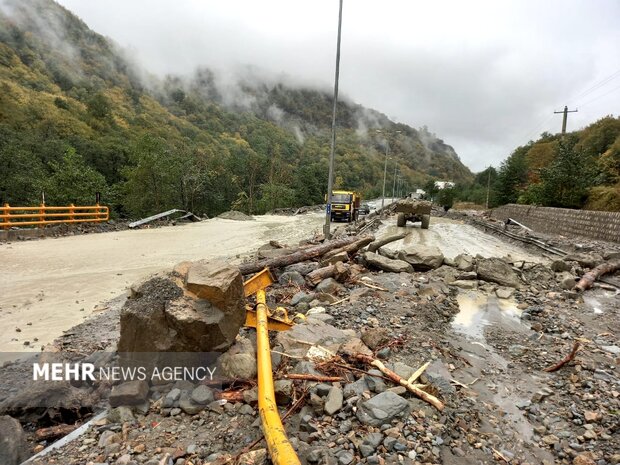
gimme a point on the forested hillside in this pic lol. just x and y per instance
(579, 170)
(76, 117)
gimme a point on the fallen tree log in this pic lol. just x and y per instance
(296, 257)
(376, 245)
(338, 270)
(425, 396)
(54, 432)
(587, 280)
(350, 248)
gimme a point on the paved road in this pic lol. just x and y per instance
(50, 285)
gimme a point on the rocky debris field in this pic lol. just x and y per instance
(399, 355)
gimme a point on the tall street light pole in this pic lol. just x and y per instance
(330, 180)
(387, 149)
(394, 180)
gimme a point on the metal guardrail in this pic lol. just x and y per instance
(43, 215)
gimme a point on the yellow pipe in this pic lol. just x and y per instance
(280, 449)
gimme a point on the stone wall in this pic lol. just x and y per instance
(570, 223)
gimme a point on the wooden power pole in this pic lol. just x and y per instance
(566, 111)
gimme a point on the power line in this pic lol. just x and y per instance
(598, 85)
(600, 96)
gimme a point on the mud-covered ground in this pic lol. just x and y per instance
(487, 357)
(49, 286)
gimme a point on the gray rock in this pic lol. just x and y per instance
(292, 277)
(329, 286)
(421, 257)
(496, 270)
(560, 265)
(246, 410)
(13, 445)
(464, 262)
(504, 292)
(129, 393)
(284, 390)
(303, 268)
(202, 395)
(462, 284)
(334, 400)
(382, 409)
(120, 415)
(239, 362)
(356, 388)
(189, 407)
(566, 279)
(387, 264)
(301, 297)
(615, 350)
(375, 337)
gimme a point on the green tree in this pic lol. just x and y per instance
(512, 176)
(73, 181)
(565, 182)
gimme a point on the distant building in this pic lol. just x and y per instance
(418, 194)
(444, 184)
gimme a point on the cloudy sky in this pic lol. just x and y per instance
(485, 76)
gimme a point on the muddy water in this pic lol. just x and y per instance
(478, 310)
(454, 238)
(491, 379)
(48, 286)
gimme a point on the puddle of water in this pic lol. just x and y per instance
(593, 301)
(478, 310)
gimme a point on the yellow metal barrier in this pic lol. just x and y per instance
(44, 215)
(280, 449)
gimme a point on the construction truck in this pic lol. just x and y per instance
(413, 210)
(345, 206)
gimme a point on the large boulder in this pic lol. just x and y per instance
(496, 270)
(301, 337)
(13, 445)
(217, 282)
(464, 262)
(239, 362)
(387, 264)
(382, 409)
(164, 318)
(421, 257)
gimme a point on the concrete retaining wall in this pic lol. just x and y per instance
(583, 223)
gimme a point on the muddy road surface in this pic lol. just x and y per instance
(50, 285)
(453, 238)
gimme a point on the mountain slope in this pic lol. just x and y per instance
(76, 117)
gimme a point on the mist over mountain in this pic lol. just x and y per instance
(78, 116)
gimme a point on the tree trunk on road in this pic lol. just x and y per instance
(296, 257)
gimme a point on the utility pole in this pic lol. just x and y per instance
(566, 111)
(330, 180)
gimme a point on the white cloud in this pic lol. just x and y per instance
(483, 75)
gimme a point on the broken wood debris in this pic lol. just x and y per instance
(376, 245)
(296, 257)
(565, 360)
(425, 396)
(587, 280)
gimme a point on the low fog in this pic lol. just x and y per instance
(484, 76)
